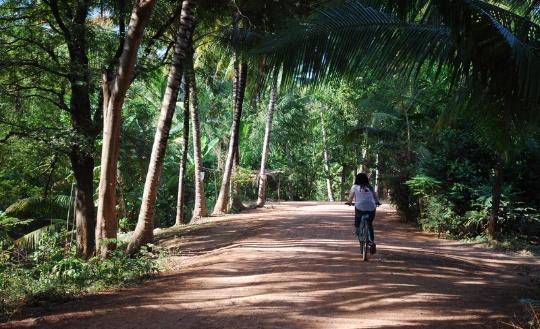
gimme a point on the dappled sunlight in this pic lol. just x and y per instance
(298, 266)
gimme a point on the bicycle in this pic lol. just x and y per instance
(362, 233)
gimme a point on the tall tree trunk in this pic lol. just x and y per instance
(183, 160)
(363, 165)
(235, 201)
(81, 154)
(83, 170)
(326, 164)
(107, 224)
(496, 192)
(377, 178)
(290, 184)
(145, 224)
(261, 199)
(199, 209)
(343, 183)
(235, 194)
(408, 126)
(239, 84)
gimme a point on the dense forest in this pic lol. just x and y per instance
(119, 117)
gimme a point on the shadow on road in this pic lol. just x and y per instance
(298, 266)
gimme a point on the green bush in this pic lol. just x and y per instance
(53, 272)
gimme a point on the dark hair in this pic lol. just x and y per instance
(361, 179)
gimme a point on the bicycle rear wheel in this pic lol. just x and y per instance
(363, 238)
(364, 250)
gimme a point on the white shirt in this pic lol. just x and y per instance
(364, 198)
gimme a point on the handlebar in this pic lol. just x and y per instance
(352, 204)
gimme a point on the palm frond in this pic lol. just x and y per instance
(40, 208)
(33, 239)
(343, 41)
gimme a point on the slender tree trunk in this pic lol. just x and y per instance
(235, 201)
(377, 178)
(185, 147)
(235, 195)
(496, 198)
(240, 73)
(199, 209)
(290, 185)
(107, 224)
(261, 199)
(145, 225)
(408, 126)
(363, 165)
(326, 164)
(343, 183)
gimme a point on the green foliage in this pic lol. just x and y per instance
(423, 185)
(53, 272)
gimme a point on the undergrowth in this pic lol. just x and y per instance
(53, 273)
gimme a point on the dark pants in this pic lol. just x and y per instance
(358, 217)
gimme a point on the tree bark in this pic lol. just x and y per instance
(496, 192)
(81, 155)
(107, 224)
(326, 165)
(408, 126)
(83, 170)
(343, 183)
(261, 198)
(235, 201)
(199, 209)
(185, 144)
(145, 224)
(290, 183)
(239, 84)
(377, 178)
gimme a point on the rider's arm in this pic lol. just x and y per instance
(375, 197)
(351, 196)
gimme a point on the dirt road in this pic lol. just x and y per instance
(297, 266)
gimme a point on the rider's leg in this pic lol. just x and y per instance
(370, 226)
(357, 217)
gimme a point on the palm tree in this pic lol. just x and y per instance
(107, 225)
(145, 224)
(489, 48)
(261, 199)
(239, 87)
(183, 160)
(199, 208)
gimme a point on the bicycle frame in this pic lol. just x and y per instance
(363, 236)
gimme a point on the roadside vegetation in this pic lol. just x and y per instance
(121, 117)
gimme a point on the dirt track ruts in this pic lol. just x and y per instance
(297, 265)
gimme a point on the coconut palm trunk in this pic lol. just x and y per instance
(377, 173)
(496, 192)
(145, 224)
(239, 85)
(326, 164)
(261, 198)
(107, 224)
(199, 208)
(183, 160)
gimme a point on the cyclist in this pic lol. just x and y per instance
(365, 202)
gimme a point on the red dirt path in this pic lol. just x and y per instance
(297, 266)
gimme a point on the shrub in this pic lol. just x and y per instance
(53, 272)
